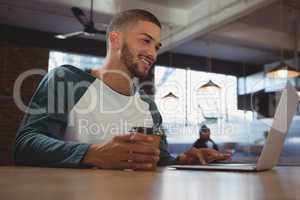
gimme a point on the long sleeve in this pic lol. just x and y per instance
(39, 139)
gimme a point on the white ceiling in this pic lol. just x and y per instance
(256, 38)
(183, 4)
(237, 30)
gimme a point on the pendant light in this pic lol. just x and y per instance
(170, 95)
(210, 85)
(283, 70)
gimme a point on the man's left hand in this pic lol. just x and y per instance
(201, 156)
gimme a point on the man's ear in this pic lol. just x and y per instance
(115, 39)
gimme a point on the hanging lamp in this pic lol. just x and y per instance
(283, 70)
(210, 85)
(170, 95)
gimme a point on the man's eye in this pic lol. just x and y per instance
(146, 41)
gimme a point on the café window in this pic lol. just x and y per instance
(81, 61)
(184, 107)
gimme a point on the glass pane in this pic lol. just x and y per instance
(80, 61)
(182, 117)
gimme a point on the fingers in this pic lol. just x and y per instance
(136, 148)
(218, 155)
(133, 137)
(223, 156)
(142, 149)
(130, 161)
(137, 142)
(185, 159)
(132, 151)
(208, 151)
(203, 156)
(140, 137)
(136, 153)
(140, 158)
(227, 156)
(192, 156)
(123, 138)
(213, 155)
(200, 156)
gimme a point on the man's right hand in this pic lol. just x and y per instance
(123, 152)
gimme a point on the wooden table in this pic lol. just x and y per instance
(28, 183)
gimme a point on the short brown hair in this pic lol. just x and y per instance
(127, 17)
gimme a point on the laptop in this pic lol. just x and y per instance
(274, 143)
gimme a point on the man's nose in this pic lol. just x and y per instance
(152, 52)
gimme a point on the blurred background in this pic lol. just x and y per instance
(222, 64)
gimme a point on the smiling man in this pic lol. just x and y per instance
(78, 119)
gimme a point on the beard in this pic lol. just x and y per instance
(127, 57)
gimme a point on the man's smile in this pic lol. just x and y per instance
(146, 60)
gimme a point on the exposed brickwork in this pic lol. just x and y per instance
(15, 59)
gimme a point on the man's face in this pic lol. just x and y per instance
(139, 48)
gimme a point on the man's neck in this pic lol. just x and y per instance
(115, 78)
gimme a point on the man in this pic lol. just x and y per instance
(83, 119)
(204, 140)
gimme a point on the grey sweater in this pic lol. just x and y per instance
(39, 141)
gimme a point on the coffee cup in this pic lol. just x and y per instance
(155, 134)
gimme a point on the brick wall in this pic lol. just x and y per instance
(15, 59)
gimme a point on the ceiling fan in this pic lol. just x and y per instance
(89, 28)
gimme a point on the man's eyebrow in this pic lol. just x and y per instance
(149, 36)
